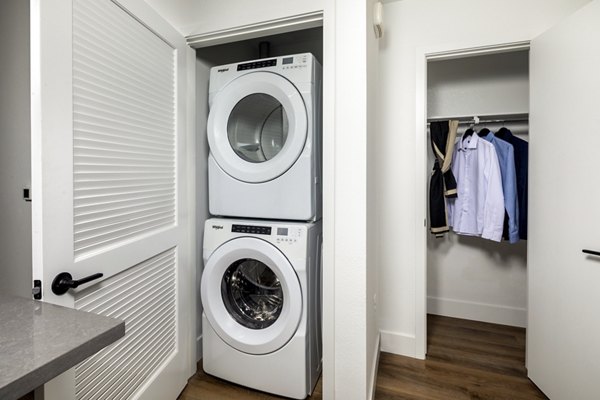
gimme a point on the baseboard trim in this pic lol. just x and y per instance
(374, 369)
(398, 343)
(492, 313)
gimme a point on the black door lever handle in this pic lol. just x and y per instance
(64, 281)
(592, 252)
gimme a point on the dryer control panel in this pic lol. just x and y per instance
(257, 64)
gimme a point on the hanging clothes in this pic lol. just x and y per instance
(521, 149)
(506, 159)
(479, 208)
(442, 184)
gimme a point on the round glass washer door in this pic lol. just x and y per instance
(251, 295)
(257, 127)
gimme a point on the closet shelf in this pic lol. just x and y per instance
(484, 118)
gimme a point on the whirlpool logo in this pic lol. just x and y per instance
(217, 227)
(223, 70)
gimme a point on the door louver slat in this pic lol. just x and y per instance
(145, 297)
(124, 128)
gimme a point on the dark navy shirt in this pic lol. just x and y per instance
(521, 148)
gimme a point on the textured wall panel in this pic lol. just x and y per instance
(145, 297)
(124, 127)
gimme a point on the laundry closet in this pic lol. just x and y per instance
(289, 43)
(471, 277)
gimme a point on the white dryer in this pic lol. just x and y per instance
(261, 324)
(264, 133)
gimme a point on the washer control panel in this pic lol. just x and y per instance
(253, 229)
(280, 234)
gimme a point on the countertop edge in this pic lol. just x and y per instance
(45, 373)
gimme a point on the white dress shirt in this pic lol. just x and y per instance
(479, 208)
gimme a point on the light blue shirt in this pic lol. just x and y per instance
(506, 158)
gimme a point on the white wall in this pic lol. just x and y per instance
(470, 277)
(15, 150)
(192, 17)
(354, 331)
(412, 25)
(481, 85)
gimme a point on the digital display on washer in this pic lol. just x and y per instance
(257, 64)
(282, 231)
(287, 60)
(254, 229)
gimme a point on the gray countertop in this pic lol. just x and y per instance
(39, 341)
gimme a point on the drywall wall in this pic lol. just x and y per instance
(15, 151)
(412, 25)
(192, 17)
(470, 277)
(481, 85)
(355, 328)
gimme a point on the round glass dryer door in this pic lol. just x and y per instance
(251, 295)
(257, 127)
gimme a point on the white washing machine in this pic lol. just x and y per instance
(264, 133)
(261, 324)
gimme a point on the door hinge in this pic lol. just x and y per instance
(37, 289)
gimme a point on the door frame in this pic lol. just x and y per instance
(423, 56)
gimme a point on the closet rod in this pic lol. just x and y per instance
(477, 121)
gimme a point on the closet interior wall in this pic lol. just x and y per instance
(470, 277)
(302, 41)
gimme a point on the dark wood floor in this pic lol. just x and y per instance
(205, 387)
(465, 360)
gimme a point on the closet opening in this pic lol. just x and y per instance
(309, 40)
(470, 281)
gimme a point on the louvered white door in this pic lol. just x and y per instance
(109, 99)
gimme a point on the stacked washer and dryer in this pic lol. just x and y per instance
(261, 285)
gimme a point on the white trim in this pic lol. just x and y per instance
(192, 209)
(493, 313)
(421, 215)
(374, 368)
(478, 51)
(36, 139)
(329, 234)
(398, 343)
(251, 31)
(423, 55)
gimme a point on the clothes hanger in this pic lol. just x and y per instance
(483, 132)
(502, 132)
(470, 131)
